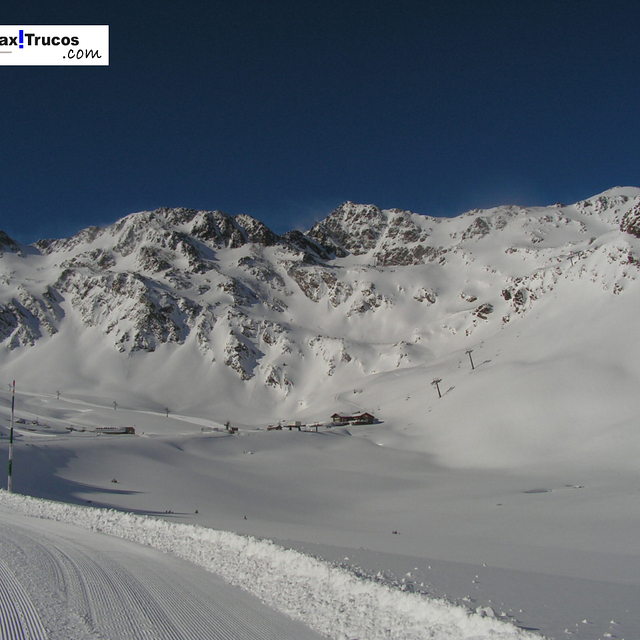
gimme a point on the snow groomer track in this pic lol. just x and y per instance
(102, 573)
(18, 616)
(97, 586)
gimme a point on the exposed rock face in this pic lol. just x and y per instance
(477, 229)
(394, 236)
(351, 228)
(631, 221)
(7, 243)
(346, 294)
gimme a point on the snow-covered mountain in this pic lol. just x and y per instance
(200, 308)
(510, 490)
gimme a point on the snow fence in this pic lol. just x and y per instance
(326, 598)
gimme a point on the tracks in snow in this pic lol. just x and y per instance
(18, 616)
(94, 586)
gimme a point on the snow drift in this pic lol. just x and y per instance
(326, 598)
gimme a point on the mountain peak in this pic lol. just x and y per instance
(625, 192)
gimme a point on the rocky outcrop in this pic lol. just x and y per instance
(351, 228)
(631, 222)
(7, 243)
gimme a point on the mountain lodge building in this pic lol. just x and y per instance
(362, 418)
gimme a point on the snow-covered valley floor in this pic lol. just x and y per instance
(406, 547)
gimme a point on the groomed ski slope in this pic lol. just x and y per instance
(81, 585)
(328, 599)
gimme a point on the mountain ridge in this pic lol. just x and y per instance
(364, 291)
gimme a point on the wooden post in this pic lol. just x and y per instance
(435, 382)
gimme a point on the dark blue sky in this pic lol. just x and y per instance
(284, 109)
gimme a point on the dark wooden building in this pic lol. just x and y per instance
(361, 418)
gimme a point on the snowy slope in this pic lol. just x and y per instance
(551, 547)
(130, 592)
(527, 463)
(60, 581)
(258, 319)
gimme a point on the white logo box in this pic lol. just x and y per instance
(54, 45)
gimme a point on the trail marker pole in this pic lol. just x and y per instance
(13, 403)
(436, 383)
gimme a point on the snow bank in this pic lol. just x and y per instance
(326, 598)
